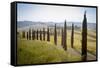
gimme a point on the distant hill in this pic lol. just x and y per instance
(23, 24)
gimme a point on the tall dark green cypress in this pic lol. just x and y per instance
(62, 37)
(37, 34)
(72, 36)
(65, 42)
(29, 34)
(44, 34)
(40, 35)
(48, 35)
(23, 34)
(84, 38)
(33, 35)
(55, 35)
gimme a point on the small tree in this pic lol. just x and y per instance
(62, 37)
(84, 38)
(33, 35)
(29, 34)
(44, 34)
(40, 35)
(65, 42)
(37, 34)
(23, 34)
(55, 35)
(72, 36)
(48, 35)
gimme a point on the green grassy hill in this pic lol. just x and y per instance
(33, 52)
(37, 52)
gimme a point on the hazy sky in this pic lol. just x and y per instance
(45, 13)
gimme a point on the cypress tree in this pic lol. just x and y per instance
(23, 34)
(33, 35)
(29, 34)
(62, 37)
(84, 38)
(40, 35)
(44, 34)
(72, 36)
(48, 35)
(55, 35)
(37, 34)
(65, 27)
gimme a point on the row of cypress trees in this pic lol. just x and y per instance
(63, 37)
(32, 34)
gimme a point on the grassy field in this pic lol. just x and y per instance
(37, 52)
(91, 41)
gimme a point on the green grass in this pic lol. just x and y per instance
(37, 52)
(91, 41)
(33, 52)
